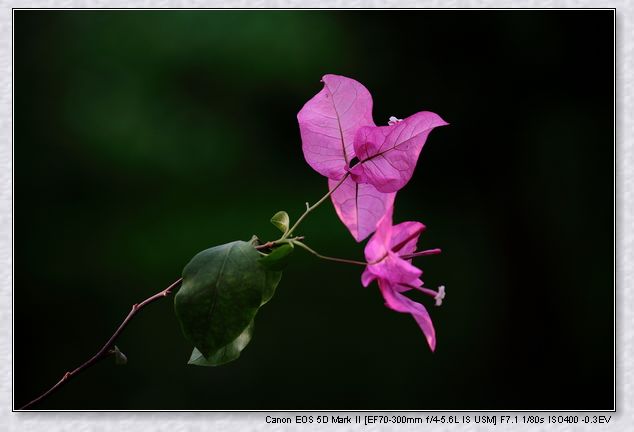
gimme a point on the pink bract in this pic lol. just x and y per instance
(384, 251)
(394, 274)
(336, 127)
(399, 303)
(388, 154)
(329, 121)
(359, 206)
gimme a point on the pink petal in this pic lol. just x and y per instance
(388, 154)
(367, 277)
(360, 206)
(329, 121)
(387, 264)
(405, 236)
(398, 302)
(378, 245)
(396, 270)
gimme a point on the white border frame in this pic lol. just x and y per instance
(174, 420)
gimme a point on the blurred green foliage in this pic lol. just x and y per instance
(143, 137)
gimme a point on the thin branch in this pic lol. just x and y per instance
(272, 244)
(318, 255)
(314, 206)
(363, 263)
(267, 245)
(105, 350)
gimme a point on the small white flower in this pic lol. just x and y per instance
(440, 296)
(393, 120)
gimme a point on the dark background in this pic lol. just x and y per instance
(143, 137)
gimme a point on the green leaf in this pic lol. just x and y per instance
(226, 354)
(272, 280)
(223, 287)
(278, 258)
(281, 221)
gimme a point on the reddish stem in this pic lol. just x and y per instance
(105, 350)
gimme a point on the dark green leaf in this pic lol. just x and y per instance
(271, 281)
(222, 290)
(278, 258)
(226, 354)
(281, 221)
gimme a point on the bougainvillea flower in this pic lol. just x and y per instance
(385, 248)
(329, 122)
(334, 125)
(387, 254)
(359, 206)
(388, 154)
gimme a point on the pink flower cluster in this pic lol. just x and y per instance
(336, 127)
(389, 255)
(341, 142)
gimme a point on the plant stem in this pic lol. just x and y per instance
(363, 263)
(271, 244)
(314, 206)
(105, 350)
(318, 255)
